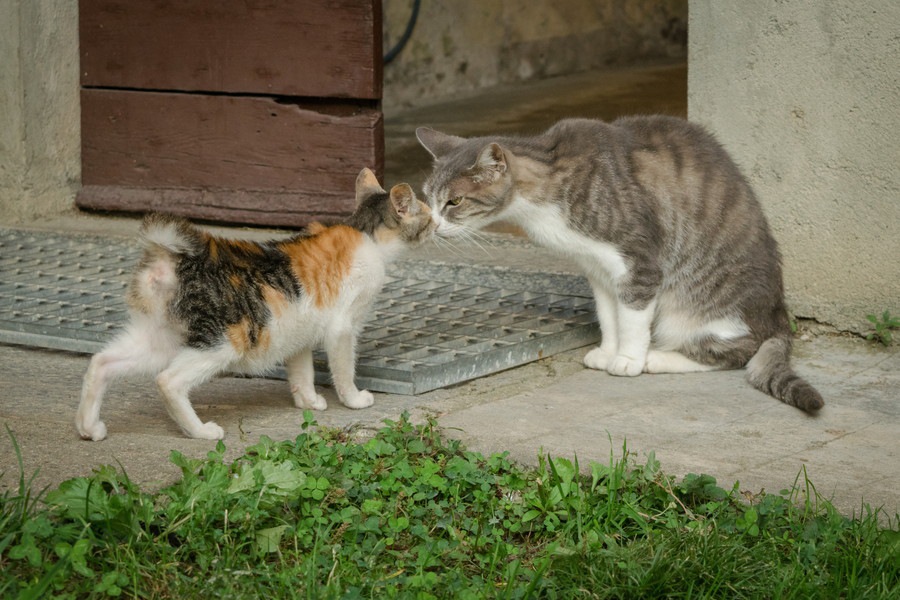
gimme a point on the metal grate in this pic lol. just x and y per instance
(67, 292)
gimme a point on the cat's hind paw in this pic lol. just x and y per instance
(95, 432)
(208, 431)
(659, 361)
(362, 399)
(597, 359)
(625, 366)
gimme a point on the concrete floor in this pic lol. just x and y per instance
(711, 423)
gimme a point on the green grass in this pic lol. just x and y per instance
(883, 326)
(410, 514)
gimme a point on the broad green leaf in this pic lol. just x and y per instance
(268, 540)
(80, 498)
(281, 479)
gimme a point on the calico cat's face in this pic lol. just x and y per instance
(470, 185)
(395, 216)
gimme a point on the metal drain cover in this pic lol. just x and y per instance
(67, 292)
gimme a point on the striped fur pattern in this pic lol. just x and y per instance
(201, 305)
(685, 271)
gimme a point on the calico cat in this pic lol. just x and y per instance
(201, 305)
(685, 272)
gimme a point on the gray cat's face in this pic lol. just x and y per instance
(470, 185)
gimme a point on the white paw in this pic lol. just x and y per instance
(208, 431)
(597, 359)
(361, 399)
(656, 362)
(315, 402)
(659, 361)
(624, 366)
(95, 432)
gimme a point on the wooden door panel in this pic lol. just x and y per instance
(239, 147)
(259, 111)
(315, 48)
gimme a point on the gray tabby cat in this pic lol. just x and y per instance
(686, 274)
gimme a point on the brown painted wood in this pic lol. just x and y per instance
(229, 158)
(282, 209)
(313, 48)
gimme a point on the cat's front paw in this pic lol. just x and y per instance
(597, 359)
(625, 366)
(208, 431)
(95, 432)
(361, 399)
(315, 402)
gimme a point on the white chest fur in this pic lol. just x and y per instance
(545, 224)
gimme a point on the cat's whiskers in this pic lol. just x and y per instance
(446, 244)
(488, 241)
(469, 235)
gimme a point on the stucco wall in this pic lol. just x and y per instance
(465, 45)
(806, 96)
(40, 163)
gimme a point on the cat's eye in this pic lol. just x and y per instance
(455, 201)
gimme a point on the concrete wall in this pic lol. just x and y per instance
(40, 164)
(465, 45)
(806, 96)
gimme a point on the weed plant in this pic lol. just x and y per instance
(410, 514)
(883, 326)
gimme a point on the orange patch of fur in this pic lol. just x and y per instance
(214, 243)
(315, 228)
(239, 337)
(321, 262)
(213, 246)
(275, 300)
(246, 246)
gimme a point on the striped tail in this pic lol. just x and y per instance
(770, 371)
(173, 234)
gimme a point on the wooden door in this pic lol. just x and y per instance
(253, 111)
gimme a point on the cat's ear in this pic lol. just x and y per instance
(366, 185)
(490, 165)
(404, 200)
(437, 143)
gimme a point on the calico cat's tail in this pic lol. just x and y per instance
(770, 371)
(173, 234)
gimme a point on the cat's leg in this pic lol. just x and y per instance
(302, 377)
(721, 352)
(599, 357)
(137, 350)
(340, 347)
(634, 340)
(723, 343)
(187, 370)
(669, 361)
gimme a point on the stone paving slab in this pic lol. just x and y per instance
(700, 423)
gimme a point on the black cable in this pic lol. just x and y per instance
(393, 52)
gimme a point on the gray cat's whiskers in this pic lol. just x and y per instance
(446, 244)
(471, 236)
